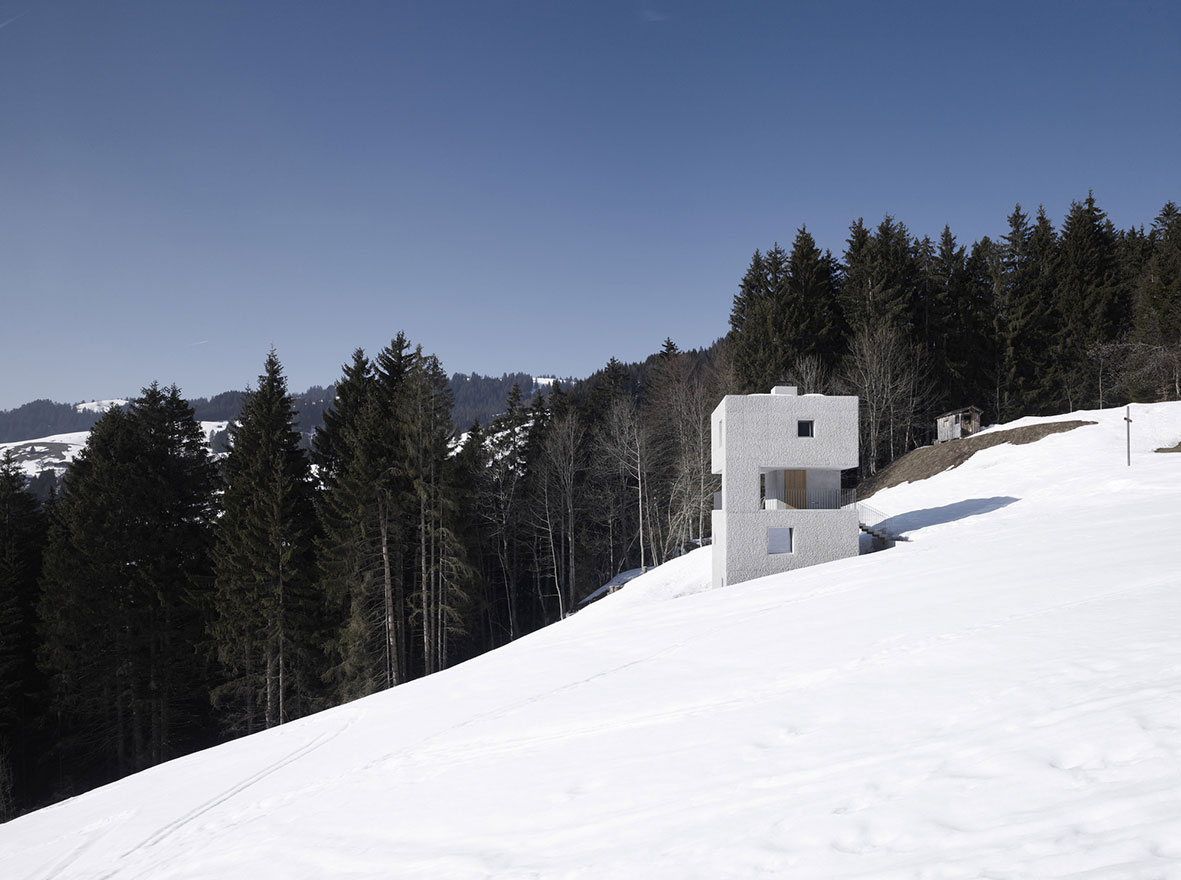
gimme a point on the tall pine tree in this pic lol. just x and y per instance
(1091, 305)
(125, 588)
(266, 604)
(365, 512)
(22, 536)
(1156, 357)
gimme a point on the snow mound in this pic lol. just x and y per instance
(678, 577)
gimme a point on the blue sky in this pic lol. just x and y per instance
(529, 186)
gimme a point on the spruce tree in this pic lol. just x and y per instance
(881, 276)
(125, 589)
(751, 289)
(776, 347)
(1090, 304)
(1156, 356)
(896, 278)
(22, 537)
(366, 507)
(812, 317)
(1011, 287)
(1031, 321)
(976, 362)
(443, 574)
(559, 401)
(786, 313)
(752, 318)
(945, 280)
(605, 388)
(856, 295)
(331, 441)
(266, 606)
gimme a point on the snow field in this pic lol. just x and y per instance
(1000, 698)
(58, 450)
(99, 405)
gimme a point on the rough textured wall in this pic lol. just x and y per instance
(819, 536)
(757, 432)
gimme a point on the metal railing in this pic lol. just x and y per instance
(813, 499)
(869, 515)
(875, 523)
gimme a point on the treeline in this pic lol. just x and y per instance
(1038, 322)
(166, 599)
(42, 418)
(476, 397)
(479, 398)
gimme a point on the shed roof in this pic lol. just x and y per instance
(962, 410)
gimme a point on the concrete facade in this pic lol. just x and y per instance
(780, 456)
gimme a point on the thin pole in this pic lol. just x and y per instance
(1128, 419)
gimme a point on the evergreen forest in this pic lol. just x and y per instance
(167, 598)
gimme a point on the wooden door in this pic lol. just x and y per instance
(795, 489)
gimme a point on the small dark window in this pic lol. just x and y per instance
(805, 428)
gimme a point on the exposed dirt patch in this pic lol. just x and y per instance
(930, 460)
(1176, 448)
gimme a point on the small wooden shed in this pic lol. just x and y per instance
(957, 423)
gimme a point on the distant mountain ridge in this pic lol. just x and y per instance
(476, 397)
(481, 398)
(45, 460)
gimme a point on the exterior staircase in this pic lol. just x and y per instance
(882, 537)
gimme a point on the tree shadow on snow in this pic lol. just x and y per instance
(934, 516)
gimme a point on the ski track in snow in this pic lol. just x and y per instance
(220, 799)
(268, 771)
(93, 834)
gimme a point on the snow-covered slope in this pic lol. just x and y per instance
(56, 452)
(99, 406)
(1000, 697)
(53, 453)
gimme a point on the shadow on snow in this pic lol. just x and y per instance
(934, 516)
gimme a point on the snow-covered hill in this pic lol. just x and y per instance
(1000, 697)
(56, 452)
(98, 406)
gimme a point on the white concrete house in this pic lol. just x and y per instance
(781, 505)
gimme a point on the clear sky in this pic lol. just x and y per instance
(530, 186)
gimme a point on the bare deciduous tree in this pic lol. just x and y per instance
(811, 375)
(681, 396)
(561, 463)
(624, 442)
(1153, 370)
(500, 500)
(891, 379)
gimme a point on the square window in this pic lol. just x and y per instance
(778, 541)
(805, 428)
